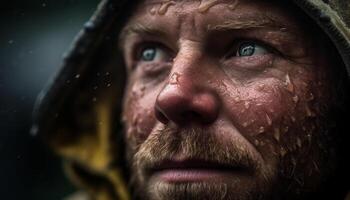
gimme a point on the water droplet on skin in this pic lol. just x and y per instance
(292, 118)
(204, 7)
(261, 129)
(289, 84)
(277, 134)
(164, 7)
(283, 152)
(310, 97)
(153, 11)
(295, 99)
(174, 79)
(268, 119)
(256, 142)
(245, 124)
(237, 99)
(234, 5)
(247, 104)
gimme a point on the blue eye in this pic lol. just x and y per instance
(148, 54)
(153, 54)
(250, 49)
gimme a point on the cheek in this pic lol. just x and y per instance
(256, 107)
(139, 111)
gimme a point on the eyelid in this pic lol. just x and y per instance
(237, 42)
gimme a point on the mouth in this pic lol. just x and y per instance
(192, 170)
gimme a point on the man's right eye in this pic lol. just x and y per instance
(153, 54)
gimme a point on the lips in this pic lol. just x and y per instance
(194, 170)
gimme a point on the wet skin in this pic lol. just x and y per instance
(254, 80)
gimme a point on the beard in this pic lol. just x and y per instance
(250, 183)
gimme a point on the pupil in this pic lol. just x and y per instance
(148, 54)
(247, 50)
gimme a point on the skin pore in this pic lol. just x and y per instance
(225, 100)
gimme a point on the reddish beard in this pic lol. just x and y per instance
(195, 143)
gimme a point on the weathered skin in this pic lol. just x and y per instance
(273, 105)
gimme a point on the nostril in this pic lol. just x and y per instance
(160, 116)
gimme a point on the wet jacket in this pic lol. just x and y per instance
(78, 113)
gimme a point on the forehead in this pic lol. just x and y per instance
(212, 11)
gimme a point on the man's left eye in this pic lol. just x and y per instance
(250, 49)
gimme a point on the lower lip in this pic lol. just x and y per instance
(191, 175)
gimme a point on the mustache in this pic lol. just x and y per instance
(169, 143)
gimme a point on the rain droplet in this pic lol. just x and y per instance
(107, 74)
(153, 11)
(311, 97)
(89, 26)
(268, 119)
(94, 99)
(10, 41)
(164, 7)
(247, 104)
(256, 142)
(204, 7)
(292, 118)
(108, 85)
(289, 84)
(296, 99)
(283, 152)
(77, 76)
(277, 134)
(245, 124)
(261, 129)
(34, 130)
(174, 79)
(43, 5)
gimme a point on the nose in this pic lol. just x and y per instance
(186, 100)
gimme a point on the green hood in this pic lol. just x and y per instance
(78, 113)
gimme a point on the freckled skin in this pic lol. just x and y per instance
(249, 98)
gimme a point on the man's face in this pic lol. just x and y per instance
(225, 100)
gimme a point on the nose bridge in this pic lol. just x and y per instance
(187, 96)
(188, 65)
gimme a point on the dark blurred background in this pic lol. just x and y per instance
(33, 37)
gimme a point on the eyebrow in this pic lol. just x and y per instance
(140, 29)
(246, 24)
